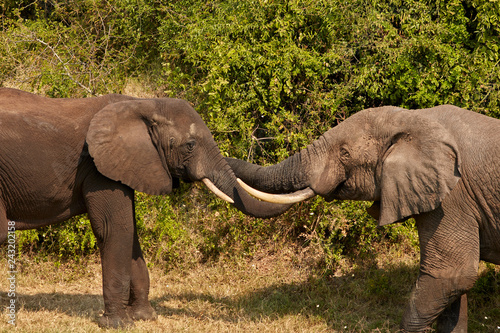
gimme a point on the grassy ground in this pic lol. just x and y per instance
(272, 292)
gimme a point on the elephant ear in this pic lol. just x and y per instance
(119, 141)
(420, 167)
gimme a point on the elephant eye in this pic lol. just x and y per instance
(344, 153)
(190, 145)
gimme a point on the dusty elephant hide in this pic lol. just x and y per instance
(64, 157)
(438, 165)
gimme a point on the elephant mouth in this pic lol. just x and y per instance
(336, 193)
(330, 196)
(211, 186)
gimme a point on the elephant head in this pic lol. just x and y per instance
(148, 143)
(404, 162)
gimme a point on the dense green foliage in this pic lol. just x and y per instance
(268, 77)
(288, 70)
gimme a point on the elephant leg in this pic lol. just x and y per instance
(110, 209)
(449, 258)
(430, 301)
(139, 306)
(5, 225)
(454, 317)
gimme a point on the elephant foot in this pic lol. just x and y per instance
(144, 312)
(424, 330)
(115, 321)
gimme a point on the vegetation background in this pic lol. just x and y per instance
(268, 77)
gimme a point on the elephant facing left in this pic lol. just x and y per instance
(64, 157)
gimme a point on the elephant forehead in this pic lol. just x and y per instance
(199, 130)
(183, 132)
(192, 129)
(365, 147)
(161, 119)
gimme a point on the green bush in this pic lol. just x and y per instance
(77, 48)
(262, 73)
(268, 77)
(71, 240)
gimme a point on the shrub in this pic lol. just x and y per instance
(268, 77)
(71, 240)
(77, 48)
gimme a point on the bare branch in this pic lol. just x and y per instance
(68, 73)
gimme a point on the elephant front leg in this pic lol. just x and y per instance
(116, 278)
(116, 252)
(430, 301)
(112, 218)
(454, 317)
(449, 258)
(139, 307)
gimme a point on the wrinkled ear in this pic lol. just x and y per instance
(120, 144)
(420, 167)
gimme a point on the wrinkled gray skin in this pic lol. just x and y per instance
(63, 157)
(438, 165)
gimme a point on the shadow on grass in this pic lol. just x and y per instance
(366, 299)
(77, 305)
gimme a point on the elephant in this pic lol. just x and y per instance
(438, 165)
(62, 157)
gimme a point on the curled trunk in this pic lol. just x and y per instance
(225, 181)
(285, 177)
(298, 172)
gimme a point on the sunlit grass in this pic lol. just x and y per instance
(279, 291)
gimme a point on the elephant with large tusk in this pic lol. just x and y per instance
(438, 165)
(64, 157)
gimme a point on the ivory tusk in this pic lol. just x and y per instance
(216, 191)
(288, 198)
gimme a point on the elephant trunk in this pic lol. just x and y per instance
(287, 176)
(301, 176)
(295, 173)
(222, 181)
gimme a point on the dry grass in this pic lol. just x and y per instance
(270, 293)
(279, 292)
